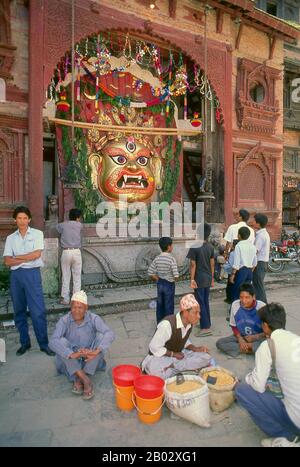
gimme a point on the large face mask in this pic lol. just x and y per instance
(125, 167)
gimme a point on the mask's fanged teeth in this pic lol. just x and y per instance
(125, 178)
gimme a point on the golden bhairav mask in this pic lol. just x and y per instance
(126, 166)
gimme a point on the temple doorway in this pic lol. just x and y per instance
(159, 88)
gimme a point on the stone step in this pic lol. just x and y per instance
(113, 301)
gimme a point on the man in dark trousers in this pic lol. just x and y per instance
(262, 244)
(245, 261)
(22, 253)
(202, 278)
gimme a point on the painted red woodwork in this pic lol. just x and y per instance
(256, 171)
(11, 164)
(57, 40)
(254, 116)
(228, 161)
(14, 94)
(7, 50)
(12, 176)
(258, 18)
(7, 57)
(12, 122)
(219, 71)
(35, 118)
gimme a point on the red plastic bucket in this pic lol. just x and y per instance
(124, 375)
(149, 387)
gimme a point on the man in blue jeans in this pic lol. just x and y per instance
(278, 418)
(165, 272)
(22, 253)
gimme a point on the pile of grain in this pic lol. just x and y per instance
(223, 379)
(187, 386)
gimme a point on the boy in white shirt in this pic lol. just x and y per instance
(233, 229)
(244, 262)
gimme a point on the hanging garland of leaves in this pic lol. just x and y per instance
(78, 171)
(172, 170)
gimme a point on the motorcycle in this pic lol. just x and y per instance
(284, 252)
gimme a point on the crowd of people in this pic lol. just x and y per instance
(81, 339)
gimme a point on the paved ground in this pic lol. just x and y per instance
(38, 409)
(124, 299)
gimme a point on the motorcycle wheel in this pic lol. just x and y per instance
(275, 266)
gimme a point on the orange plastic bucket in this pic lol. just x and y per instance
(124, 396)
(149, 410)
(124, 375)
(148, 386)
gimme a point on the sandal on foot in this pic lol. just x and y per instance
(87, 395)
(76, 390)
(200, 333)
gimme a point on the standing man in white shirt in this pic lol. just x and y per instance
(262, 244)
(244, 262)
(23, 254)
(170, 350)
(278, 418)
(233, 229)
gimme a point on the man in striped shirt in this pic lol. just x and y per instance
(165, 272)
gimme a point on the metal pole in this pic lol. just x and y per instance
(73, 71)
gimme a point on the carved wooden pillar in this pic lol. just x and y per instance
(228, 159)
(7, 50)
(36, 97)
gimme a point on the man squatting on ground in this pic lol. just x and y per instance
(278, 418)
(170, 350)
(80, 341)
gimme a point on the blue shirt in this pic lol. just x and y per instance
(16, 245)
(246, 320)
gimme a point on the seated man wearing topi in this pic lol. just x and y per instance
(170, 350)
(80, 341)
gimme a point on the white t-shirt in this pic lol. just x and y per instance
(287, 348)
(244, 255)
(232, 232)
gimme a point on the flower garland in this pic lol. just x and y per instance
(174, 77)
